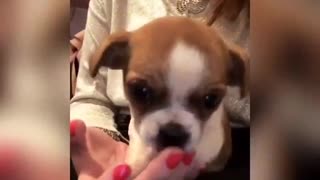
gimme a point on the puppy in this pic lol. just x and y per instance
(176, 73)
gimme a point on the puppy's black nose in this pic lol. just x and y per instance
(172, 134)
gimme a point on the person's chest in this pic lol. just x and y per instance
(130, 15)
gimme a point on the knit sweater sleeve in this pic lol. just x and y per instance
(90, 102)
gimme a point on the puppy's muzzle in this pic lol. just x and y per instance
(172, 135)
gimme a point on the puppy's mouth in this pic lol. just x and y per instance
(162, 146)
(171, 135)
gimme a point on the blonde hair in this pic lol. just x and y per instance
(230, 9)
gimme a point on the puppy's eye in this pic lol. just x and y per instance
(141, 92)
(211, 101)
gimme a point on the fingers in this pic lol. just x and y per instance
(160, 166)
(79, 152)
(170, 164)
(12, 160)
(77, 133)
(121, 172)
(7, 161)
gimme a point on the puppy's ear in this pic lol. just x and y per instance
(238, 72)
(113, 53)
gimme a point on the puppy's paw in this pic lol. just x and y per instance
(138, 157)
(137, 164)
(136, 167)
(219, 163)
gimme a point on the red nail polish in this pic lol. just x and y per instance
(8, 160)
(187, 158)
(173, 160)
(202, 170)
(72, 128)
(121, 172)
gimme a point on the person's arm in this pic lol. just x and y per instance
(90, 102)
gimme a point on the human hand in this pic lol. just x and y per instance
(170, 164)
(96, 156)
(93, 151)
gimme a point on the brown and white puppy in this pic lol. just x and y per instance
(176, 72)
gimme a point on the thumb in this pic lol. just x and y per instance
(119, 172)
(160, 167)
(170, 162)
(167, 163)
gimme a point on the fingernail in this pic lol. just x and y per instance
(203, 170)
(8, 160)
(121, 172)
(72, 128)
(187, 158)
(173, 160)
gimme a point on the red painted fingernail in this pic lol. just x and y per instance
(8, 160)
(121, 172)
(202, 170)
(173, 160)
(72, 128)
(187, 158)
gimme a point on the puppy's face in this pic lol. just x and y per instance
(175, 76)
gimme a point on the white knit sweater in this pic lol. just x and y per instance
(94, 96)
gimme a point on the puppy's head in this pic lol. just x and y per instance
(175, 76)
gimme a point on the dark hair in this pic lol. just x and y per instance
(229, 8)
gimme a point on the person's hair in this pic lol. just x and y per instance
(229, 9)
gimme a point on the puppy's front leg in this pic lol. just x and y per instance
(138, 154)
(215, 145)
